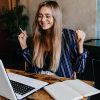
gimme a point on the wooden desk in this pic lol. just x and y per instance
(41, 94)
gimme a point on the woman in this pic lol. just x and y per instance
(54, 50)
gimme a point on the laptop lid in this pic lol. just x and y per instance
(5, 86)
(6, 89)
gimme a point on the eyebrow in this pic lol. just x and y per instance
(45, 14)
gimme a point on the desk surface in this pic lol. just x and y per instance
(41, 94)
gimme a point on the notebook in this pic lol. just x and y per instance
(70, 90)
(9, 82)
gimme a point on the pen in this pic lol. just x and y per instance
(21, 29)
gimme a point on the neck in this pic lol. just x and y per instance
(48, 32)
(48, 43)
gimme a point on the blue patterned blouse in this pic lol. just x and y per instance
(70, 59)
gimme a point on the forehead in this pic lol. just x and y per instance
(45, 10)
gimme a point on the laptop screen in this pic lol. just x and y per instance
(9, 82)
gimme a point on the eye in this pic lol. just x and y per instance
(48, 16)
(40, 16)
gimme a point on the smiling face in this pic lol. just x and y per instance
(45, 18)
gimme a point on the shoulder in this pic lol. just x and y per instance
(67, 31)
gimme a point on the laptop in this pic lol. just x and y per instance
(11, 85)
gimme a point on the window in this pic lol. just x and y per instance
(98, 19)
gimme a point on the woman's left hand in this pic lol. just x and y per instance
(80, 37)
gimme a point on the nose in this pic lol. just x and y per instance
(43, 18)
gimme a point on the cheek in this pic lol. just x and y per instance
(39, 20)
(52, 22)
(39, 23)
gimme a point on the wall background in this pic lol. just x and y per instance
(77, 14)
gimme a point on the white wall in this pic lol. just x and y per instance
(77, 14)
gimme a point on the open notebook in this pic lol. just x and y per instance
(70, 90)
(16, 87)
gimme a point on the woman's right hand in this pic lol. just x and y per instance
(22, 37)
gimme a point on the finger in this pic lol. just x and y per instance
(76, 34)
(80, 34)
(22, 34)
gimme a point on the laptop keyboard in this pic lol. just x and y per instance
(20, 88)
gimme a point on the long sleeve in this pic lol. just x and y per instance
(70, 60)
(27, 56)
(78, 60)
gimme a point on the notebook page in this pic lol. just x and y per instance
(82, 87)
(60, 91)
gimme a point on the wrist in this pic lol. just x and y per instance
(24, 46)
(81, 49)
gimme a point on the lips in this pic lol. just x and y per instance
(44, 24)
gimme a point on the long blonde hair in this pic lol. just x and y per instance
(56, 37)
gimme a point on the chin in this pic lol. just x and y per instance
(46, 28)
